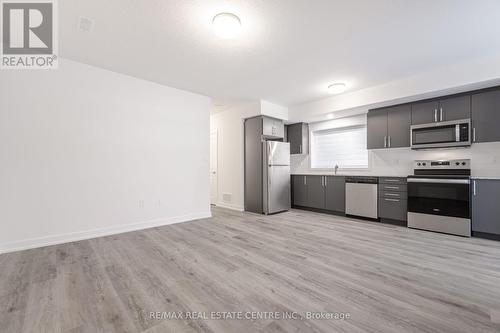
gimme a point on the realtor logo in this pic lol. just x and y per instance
(29, 34)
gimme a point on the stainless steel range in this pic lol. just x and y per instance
(439, 197)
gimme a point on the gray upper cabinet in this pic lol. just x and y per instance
(377, 129)
(424, 112)
(335, 194)
(272, 127)
(398, 126)
(486, 116)
(485, 207)
(389, 127)
(315, 192)
(298, 136)
(446, 109)
(299, 190)
(454, 108)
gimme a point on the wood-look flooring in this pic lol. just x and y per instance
(388, 278)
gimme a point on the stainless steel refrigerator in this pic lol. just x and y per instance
(267, 166)
(276, 177)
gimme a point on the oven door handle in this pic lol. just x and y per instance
(438, 181)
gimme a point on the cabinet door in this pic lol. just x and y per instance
(424, 113)
(273, 127)
(299, 191)
(398, 126)
(377, 129)
(335, 194)
(315, 192)
(295, 138)
(455, 108)
(485, 207)
(486, 116)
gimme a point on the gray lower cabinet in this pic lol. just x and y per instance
(389, 127)
(315, 192)
(486, 116)
(485, 207)
(319, 192)
(298, 136)
(299, 190)
(393, 199)
(335, 194)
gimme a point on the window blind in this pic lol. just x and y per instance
(345, 147)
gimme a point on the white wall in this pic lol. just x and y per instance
(87, 152)
(230, 174)
(273, 110)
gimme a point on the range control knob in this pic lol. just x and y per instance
(419, 164)
(424, 164)
(463, 163)
(457, 163)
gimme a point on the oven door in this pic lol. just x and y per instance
(439, 135)
(439, 196)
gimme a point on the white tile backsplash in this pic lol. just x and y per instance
(485, 159)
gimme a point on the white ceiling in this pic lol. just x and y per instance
(289, 50)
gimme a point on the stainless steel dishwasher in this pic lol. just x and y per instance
(361, 196)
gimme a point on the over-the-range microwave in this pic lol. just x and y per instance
(455, 133)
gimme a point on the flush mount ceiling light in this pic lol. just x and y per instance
(337, 88)
(226, 25)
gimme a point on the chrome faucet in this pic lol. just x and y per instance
(336, 168)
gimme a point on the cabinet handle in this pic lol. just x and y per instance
(392, 200)
(389, 141)
(392, 187)
(385, 141)
(474, 134)
(305, 180)
(435, 115)
(441, 113)
(392, 180)
(392, 194)
(324, 181)
(300, 149)
(474, 188)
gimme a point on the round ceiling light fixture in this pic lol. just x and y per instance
(226, 25)
(337, 88)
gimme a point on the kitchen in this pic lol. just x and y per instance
(440, 180)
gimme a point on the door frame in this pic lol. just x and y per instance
(214, 134)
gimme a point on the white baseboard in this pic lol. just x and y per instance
(230, 206)
(89, 234)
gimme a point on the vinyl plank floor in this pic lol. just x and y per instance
(388, 278)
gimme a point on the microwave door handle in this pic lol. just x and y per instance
(435, 115)
(441, 114)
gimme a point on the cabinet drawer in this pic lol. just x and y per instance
(393, 195)
(394, 209)
(393, 180)
(393, 187)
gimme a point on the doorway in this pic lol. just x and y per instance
(214, 191)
